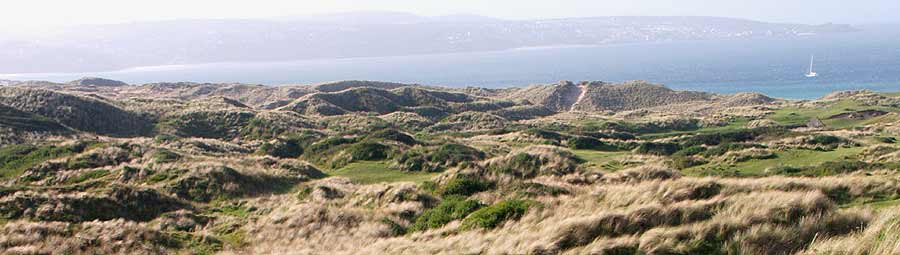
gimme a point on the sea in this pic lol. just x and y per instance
(868, 59)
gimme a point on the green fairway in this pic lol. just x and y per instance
(733, 125)
(367, 172)
(793, 158)
(799, 116)
(606, 160)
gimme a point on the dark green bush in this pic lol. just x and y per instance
(282, 149)
(494, 215)
(826, 169)
(682, 162)
(456, 153)
(368, 151)
(464, 186)
(886, 139)
(659, 149)
(163, 138)
(610, 135)
(651, 127)
(532, 189)
(289, 146)
(327, 144)
(824, 140)
(734, 136)
(89, 175)
(259, 129)
(393, 135)
(544, 134)
(450, 209)
(690, 151)
(165, 156)
(725, 148)
(590, 143)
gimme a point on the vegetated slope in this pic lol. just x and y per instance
(634, 95)
(19, 121)
(420, 170)
(78, 112)
(368, 99)
(557, 97)
(602, 96)
(94, 81)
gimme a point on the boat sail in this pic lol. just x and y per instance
(811, 73)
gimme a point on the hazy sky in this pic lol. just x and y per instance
(30, 14)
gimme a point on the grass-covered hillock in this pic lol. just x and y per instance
(336, 152)
(525, 112)
(470, 121)
(375, 100)
(534, 161)
(208, 183)
(450, 209)
(82, 113)
(116, 202)
(436, 158)
(15, 159)
(20, 121)
(291, 145)
(268, 125)
(207, 124)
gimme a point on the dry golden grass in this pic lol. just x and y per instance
(653, 214)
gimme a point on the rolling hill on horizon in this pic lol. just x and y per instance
(120, 46)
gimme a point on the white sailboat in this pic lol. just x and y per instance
(811, 74)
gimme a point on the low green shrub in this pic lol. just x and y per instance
(659, 149)
(368, 151)
(15, 159)
(496, 214)
(464, 186)
(886, 139)
(533, 189)
(89, 175)
(825, 169)
(544, 134)
(450, 209)
(824, 140)
(590, 143)
(392, 135)
(725, 148)
(682, 162)
(165, 156)
(734, 136)
(690, 151)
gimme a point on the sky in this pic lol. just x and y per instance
(36, 14)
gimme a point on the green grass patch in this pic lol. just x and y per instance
(496, 214)
(790, 158)
(165, 156)
(891, 94)
(89, 175)
(737, 124)
(194, 243)
(15, 159)
(465, 186)
(602, 159)
(450, 209)
(885, 204)
(367, 172)
(235, 210)
(800, 116)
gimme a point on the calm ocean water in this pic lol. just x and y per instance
(862, 60)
